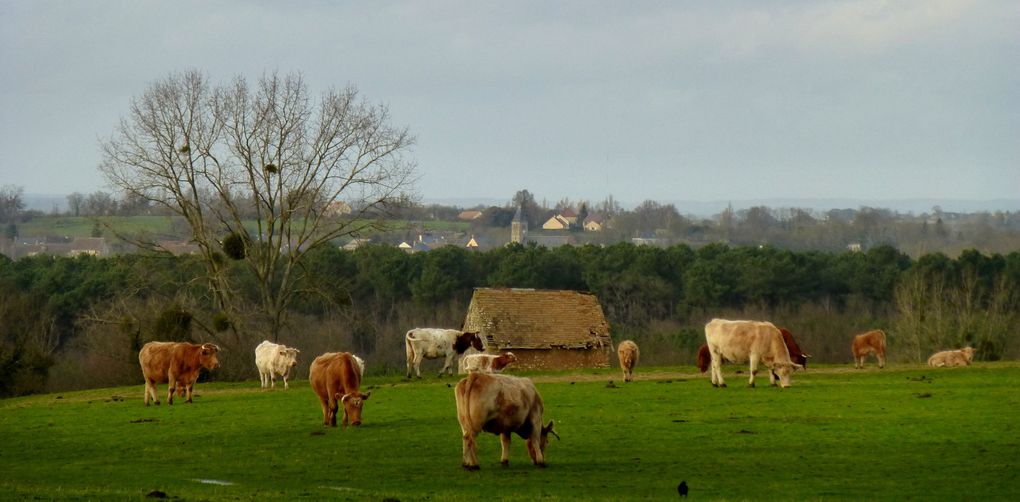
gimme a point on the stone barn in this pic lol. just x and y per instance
(545, 329)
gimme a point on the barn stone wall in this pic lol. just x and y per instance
(557, 359)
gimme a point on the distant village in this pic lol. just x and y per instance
(421, 228)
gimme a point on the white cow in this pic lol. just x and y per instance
(486, 363)
(950, 358)
(273, 359)
(757, 342)
(434, 343)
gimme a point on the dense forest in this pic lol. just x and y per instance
(79, 322)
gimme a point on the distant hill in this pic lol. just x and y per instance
(46, 203)
(713, 207)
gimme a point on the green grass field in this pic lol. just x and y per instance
(906, 432)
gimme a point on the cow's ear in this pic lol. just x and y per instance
(364, 397)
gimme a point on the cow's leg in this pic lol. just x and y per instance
(150, 390)
(470, 456)
(171, 387)
(716, 368)
(533, 450)
(272, 380)
(753, 370)
(285, 384)
(772, 377)
(448, 365)
(188, 388)
(417, 363)
(881, 360)
(504, 439)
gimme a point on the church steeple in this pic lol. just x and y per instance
(518, 227)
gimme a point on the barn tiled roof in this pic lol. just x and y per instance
(537, 319)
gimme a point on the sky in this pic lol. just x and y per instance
(641, 100)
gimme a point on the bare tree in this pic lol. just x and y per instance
(11, 203)
(267, 158)
(75, 203)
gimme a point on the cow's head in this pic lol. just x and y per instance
(783, 372)
(468, 339)
(352, 403)
(290, 356)
(548, 429)
(968, 352)
(208, 357)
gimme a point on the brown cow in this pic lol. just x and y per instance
(502, 405)
(950, 358)
(628, 353)
(177, 364)
(336, 378)
(796, 355)
(752, 341)
(872, 342)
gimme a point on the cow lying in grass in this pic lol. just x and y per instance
(950, 358)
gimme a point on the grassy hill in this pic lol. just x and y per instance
(906, 432)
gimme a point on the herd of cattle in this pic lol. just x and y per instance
(486, 400)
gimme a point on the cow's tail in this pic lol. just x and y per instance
(407, 345)
(463, 390)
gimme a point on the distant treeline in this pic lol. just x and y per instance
(79, 322)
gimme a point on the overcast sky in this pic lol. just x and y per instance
(663, 100)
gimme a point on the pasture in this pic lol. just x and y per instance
(906, 432)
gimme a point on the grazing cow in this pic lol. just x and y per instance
(502, 405)
(272, 359)
(177, 364)
(628, 353)
(872, 342)
(336, 379)
(796, 355)
(950, 358)
(486, 363)
(753, 341)
(433, 343)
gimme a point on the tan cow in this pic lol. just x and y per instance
(950, 358)
(176, 363)
(501, 405)
(628, 353)
(796, 355)
(336, 379)
(872, 342)
(752, 341)
(486, 363)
